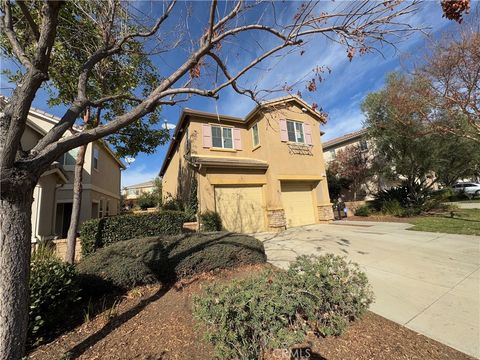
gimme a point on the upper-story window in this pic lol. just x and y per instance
(333, 154)
(69, 158)
(255, 135)
(222, 137)
(96, 155)
(188, 145)
(363, 144)
(295, 131)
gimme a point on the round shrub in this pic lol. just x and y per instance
(210, 221)
(53, 290)
(129, 263)
(276, 309)
(120, 266)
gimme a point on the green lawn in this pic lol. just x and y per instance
(464, 221)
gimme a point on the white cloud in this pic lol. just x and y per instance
(343, 121)
(138, 174)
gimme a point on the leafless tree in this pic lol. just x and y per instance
(452, 73)
(359, 26)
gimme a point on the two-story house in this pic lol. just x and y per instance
(263, 172)
(356, 138)
(131, 193)
(53, 196)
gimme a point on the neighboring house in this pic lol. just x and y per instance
(263, 172)
(132, 192)
(53, 196)
(332, 147)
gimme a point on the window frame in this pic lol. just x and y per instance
(222, 137)
(73, 153)
(95, 159)
(295, 123)
(255, 126)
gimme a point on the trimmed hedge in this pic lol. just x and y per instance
(97, 233)
(210, 221)
(126, 264)
(249, 318)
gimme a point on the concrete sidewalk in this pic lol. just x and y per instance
(428, 282)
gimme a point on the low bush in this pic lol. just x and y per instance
(210, 221)
(126, 264)
(147, 200)
(275, 310)
(392, 207)
(53, 291)
(364, 210)
(97, 233)
(173, 204)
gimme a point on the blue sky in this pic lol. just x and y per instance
(340, 94)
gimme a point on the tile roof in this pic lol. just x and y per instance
(143, 184)
(344, 138)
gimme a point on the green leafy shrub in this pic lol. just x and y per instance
(126, 264)
(97, 233)
(364, 210)
(147, 200)
(173, 204)
(403, 195)
(276, 309)
(210, 221)
(392, 207)
(53, 290)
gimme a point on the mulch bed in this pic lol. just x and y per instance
(152, 323)
(381, 218)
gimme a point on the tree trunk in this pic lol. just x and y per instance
(15, 248)
(76, 206)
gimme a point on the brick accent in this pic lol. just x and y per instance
(61, 249)
(325, 212)
(276, 220)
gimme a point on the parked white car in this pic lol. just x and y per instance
(468, 188)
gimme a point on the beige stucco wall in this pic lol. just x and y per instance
(29, 138)
(43, 207)
(283, 164)
(170, 178)
(107, 176)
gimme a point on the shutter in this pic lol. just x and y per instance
(237, 138)
(207, 135)
(283, 130)
(308, 133)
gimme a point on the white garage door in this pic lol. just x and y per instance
(297, 198)
(240, 207)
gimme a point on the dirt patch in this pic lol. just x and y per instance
(381, 218)
(152, 323)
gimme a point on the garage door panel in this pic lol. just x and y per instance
(240, 207)
(297, 198)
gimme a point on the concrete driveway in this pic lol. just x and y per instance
(428, 282)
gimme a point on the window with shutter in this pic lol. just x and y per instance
(222, 137)
(295, 131)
